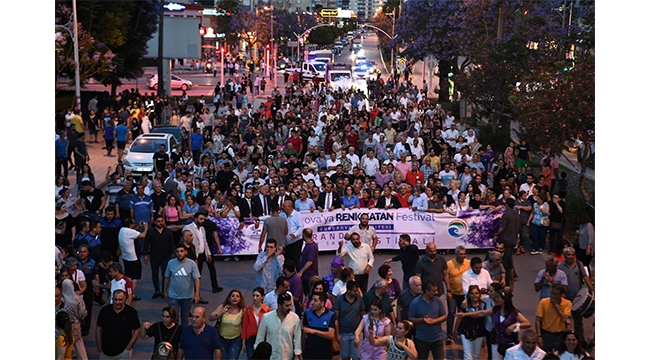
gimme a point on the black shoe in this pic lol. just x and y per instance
(217, 289)
(201, 301)
(156, 295)
(135, 298)
(449, 341)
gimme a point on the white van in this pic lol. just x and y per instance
(314, 68)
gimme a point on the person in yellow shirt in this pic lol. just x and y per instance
(455, 296)
(552, 318)
(77, 122)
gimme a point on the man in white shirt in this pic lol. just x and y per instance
(203, 252)
(451, 136)
(126, 237)
(282, 329)
(462, 156)
(354, 158)
(476, 275)
(400, 147)
(527, 349)
(529, 185)
(447, 175)
(370, 163)
(281, 288)
(361, 259)
(332, 162)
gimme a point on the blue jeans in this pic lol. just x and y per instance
(249, 346)
(538, 236)
(155, 266)
(348, 349)
(182, 307)
(230, 349)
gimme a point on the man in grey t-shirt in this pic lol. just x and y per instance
(182, 283)
(275, 227)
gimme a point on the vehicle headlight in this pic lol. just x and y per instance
(189, 83)
(127, 163)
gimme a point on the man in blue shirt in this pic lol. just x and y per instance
(196, 144)
(61, 154)
(428, 313)
(318, 325)
(121, 136)
(199, 341)
(141, 206)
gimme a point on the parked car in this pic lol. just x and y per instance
(139, 156)
(168, 129)
(177, 82)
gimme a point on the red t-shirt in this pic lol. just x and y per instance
(297, 143)
(124, 284)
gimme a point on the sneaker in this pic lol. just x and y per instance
(534, 252)
(217, 289)
(135, 298)
(156, 295)
(236, 258)
(201, 301)
(226, 259)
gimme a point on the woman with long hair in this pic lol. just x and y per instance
(189, 209)
(64, 229)
(570, 347)
(377, 322)
(86, 173)
(316, 284)
(471, 329)
(366, 200)
(399, 347)
(506, 318)
(231, 210)
(509, 155)
(229, 316)
(252, 318)
(64, 342)
(166, 330)
(77, 311)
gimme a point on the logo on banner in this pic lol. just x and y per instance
(457, 228)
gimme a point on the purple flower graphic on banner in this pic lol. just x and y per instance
(230, 235)
(482, 229)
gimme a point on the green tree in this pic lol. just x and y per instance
(124, 29)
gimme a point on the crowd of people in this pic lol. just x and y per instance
(310, 149)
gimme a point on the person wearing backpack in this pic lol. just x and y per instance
(167, 333)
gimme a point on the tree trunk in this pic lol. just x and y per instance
(587, 155)
(444, 67)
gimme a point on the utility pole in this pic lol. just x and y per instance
(502, 11)
(77, 80)
(161, 42)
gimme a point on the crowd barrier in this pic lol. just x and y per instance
(474, 229)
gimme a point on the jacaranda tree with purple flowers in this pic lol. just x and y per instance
(230, 236)
(95, 58)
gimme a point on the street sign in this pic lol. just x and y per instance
(292, 43)
(431, 62)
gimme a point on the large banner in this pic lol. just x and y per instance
(473, 229)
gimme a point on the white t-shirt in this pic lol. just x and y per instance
(446, 177)
(127, 243)
(458, 158)
(370, 166)
(339, 288)
(332, 163)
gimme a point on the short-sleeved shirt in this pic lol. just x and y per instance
(309, 253)
(404, 300)
(366, 236)
(201, 346)
(510, 222)
(349, 313)
(551, 321)
(432, 271)
(575, 278)
(317, 347)
(455, 272)
(433, 309)
(369, 296)
(141, 208)
(127, 238)
(121, 132)
(181, 276)
(559, 277)
(124, 284)
(496, 272)
(117, 328)
(172, 335)
(275, 226)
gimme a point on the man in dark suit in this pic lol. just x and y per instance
(328, 200)
(245, 203)
(281, 196)
(260, 203)
(388, 200)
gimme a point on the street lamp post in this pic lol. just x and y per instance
(222, 56)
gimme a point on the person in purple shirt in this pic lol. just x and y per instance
(308, 260)
(295, 284)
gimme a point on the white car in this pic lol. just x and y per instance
(177, 82)
(360, 60)
(139, 156)
(360, 73)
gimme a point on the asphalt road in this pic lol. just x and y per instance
(240, 275)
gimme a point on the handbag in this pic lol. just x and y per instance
(555, 225)
(546, 221)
